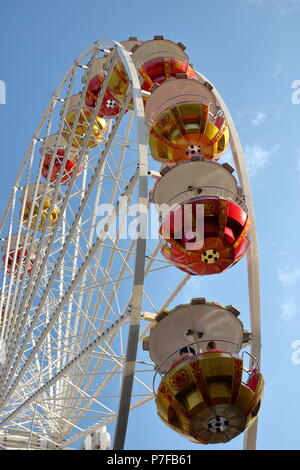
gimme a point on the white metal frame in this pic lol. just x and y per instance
(45, 389)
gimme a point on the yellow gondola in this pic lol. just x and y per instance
(98, 129)
(204, 398)
(44, 214)
(208, 392)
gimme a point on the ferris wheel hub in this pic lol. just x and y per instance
(227, 422)
(218, 424)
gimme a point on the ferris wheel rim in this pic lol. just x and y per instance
(252, 255)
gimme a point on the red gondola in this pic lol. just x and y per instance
(60, 153)
(225, 228)
(109, 106)
(11, 267)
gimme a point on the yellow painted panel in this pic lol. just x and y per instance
(192, 399)
(220, 391)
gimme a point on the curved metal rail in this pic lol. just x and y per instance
(39, 309)
(252, 256)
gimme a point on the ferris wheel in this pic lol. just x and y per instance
(78, 259)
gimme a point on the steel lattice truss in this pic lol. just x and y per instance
(64, 326)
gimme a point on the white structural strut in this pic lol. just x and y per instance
(137, 294)
(252, 255)
(66, 368)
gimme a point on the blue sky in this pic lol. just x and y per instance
(250, 50)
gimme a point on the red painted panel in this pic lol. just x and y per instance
(164, 68)
(237, 213)
(69, 166)
(109, 106)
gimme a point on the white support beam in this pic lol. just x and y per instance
(34, 397)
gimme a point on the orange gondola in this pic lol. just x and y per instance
(160, 59)
(183, 120)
